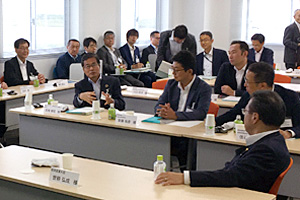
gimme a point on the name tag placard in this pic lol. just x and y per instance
(62, 83)
(64, 177)
(142, 91)
(26, 89)
(126, 119)
(241, 133)
(51, 109)
(287, 123)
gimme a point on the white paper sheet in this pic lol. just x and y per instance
(187, 124)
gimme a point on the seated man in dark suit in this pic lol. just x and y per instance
(89, 45)
(18, 70)
(93, 86)
(62, 69)
(173, 41)
(260, 76)
(230, 79)
(111, 57)
(259, 53)
(186, 97)
(255, 166)
(131, 54)
(210, 60)
(152, 48)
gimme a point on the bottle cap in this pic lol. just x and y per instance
(50, 96)
(160, 157)
(111, 105)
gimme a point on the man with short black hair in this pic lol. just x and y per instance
(89, 45)
(95, 87)
(173, 41)
(186, 97)
(260, 76)
(259, 53)
(152, 48)
(210, 60)
(255, 166)
(111, 58)
(62, 69)
(18, 70)
(230, 79)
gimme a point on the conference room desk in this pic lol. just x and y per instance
(292, 86)
(209, 81)
(214, 151)
(97, 180)
(283, 72)
(146, 103)
(64, 94)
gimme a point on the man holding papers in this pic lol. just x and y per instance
(95, 86)
(260, 76)
(186, 97)
(255, 166)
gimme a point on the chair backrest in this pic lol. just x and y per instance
(213, 109)
(1, 79)
(298, 67)
(152, 61)
(279, 78)
(274, 65)
(275, 187)
(160, 84)
(76, 72)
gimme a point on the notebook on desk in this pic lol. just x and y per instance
(81, 111)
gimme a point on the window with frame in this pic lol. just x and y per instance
(269, 18)
(42, 23)
(141, 15)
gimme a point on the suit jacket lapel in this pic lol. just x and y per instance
(191, 95)
(18, 70)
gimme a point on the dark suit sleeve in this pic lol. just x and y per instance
(117, 96)
(224, 57)
(296, 114)
(78, 90)
(232, 113)
(239, 92)
(108, 68)
(10, 75)
(193, 45)
(220, 80)
(62, 70)
(161, 51)
(288, 38)
(145, 55)
(269, 57)
(201, 105)
(245, 173)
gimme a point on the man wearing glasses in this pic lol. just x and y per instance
(186, 97)
(260, 76)
(18, 70)
(97, 87)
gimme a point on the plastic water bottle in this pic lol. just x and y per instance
(148, 65)
(50, 99)
(28, 101)
(1, 90)
(112, 112)
(159, 166)
(238, 120)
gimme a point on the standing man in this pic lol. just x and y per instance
(152, 48)
(230, 80)
(94, 87)
(260, 76)
(211, 59)
(291, 41)
(62, 69)
(186, 97)
(17, 71)
(111, 58)
(173, 41)
(131, 54)
(255, 166)
(89, 45)
(259, 53)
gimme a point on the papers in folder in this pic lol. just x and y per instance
(232, 98)
(81, 111)
(163, 69)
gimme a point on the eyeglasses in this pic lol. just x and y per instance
(244, 111)
(24, 48)
(177, 70)
(248, 82)
(92, 65)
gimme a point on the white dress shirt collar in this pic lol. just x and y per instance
(239, 75)
(254, 138)
(23, 69)
(184, 93)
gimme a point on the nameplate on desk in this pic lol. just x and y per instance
(26, 89)
(126, 119)
(51, 109)
(64, 177)
(62, 83)
(142, 91)
(241, 133)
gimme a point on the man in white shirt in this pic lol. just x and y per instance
(256, 166)
(18, 70)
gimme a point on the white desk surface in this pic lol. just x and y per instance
(292, 86)
(282, 72)
(100, 180)
(196, 132)
(43, 88)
